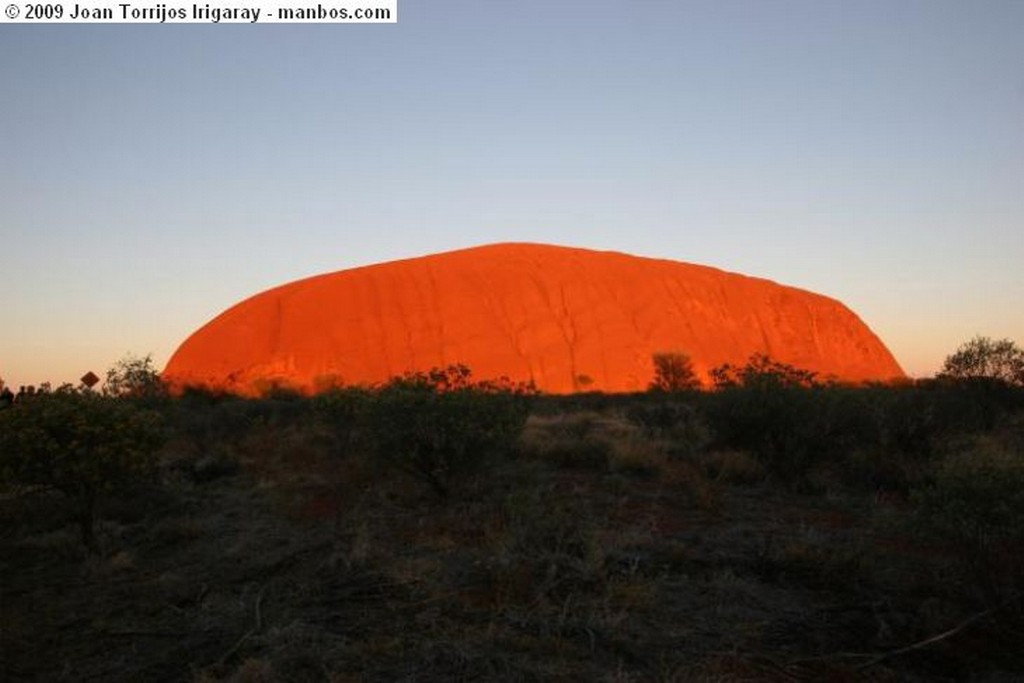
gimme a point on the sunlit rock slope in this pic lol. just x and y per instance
(568, 319)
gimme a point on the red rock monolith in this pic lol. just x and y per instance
(566, 319)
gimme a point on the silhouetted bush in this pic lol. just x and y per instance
(762, 371)
(673, 372)
(918, 420)
(775, 411)
(209, 421)
(440, 426)
(680, 423)
(344, 411)
(136, 379)
(987, 359)
(975, 503)
(783, 427)
(79, 443)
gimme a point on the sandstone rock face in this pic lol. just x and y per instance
(567, 319)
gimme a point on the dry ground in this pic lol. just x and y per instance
(592, 555)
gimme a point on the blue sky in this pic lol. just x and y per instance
(152, 176)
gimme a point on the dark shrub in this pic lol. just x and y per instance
(984, 358)
(975, 503)
(777, 412)
(783, 427)
(679, 423)
(439, 426)
(673, 372)
(79, 443)
(762, 371)
(344, 412)
(136, 379)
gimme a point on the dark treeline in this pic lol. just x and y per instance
(825, 527)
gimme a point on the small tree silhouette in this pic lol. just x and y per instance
(133, 377)
(984, 358)
(673, 371)
(763, 371)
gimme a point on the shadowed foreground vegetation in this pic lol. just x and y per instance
(436, 528)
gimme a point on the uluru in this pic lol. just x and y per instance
(566, 319)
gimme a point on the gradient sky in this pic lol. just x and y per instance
(152, 176)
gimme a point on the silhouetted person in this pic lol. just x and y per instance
(6, 398)
(21, 394)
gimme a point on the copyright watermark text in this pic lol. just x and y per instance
(232, 11)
